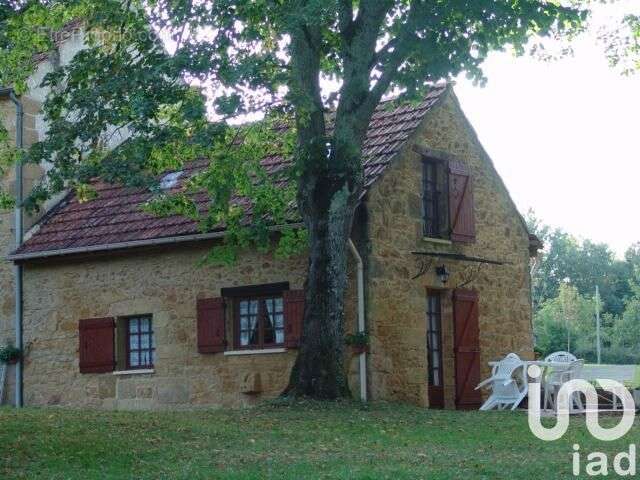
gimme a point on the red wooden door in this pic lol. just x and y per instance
(466, 348)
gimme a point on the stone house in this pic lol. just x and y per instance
(118, 313)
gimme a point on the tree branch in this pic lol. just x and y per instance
(345, 17)
(396, 52)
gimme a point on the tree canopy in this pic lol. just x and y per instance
(564, 283)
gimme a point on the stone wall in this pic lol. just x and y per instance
(34, 130)
(397, 304)
(167, 285)
(31, 174)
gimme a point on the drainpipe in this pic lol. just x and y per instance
(9, 93)
(361, 323)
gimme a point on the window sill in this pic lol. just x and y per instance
(135, 372)
(440, 241)
(255, 352)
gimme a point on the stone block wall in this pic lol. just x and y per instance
(165, 284)
(31, 174)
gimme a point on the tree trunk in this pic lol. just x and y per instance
(319, 369)
(329, 187)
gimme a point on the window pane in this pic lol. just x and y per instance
(144, 340)
(268, 320)
(133, 325)
(435, 360)
(253, 336)
(144, 358)
(260, 321)
(434, 341)
(134, 359)
(133, 342)
(144, 325)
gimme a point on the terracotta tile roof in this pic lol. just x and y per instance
(115, 217)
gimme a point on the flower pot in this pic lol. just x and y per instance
(358, 349)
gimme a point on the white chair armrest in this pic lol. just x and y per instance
(484, 382)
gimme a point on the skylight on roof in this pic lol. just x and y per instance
(170, 180)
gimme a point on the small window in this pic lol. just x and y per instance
(259, 322)
(135, 343)
(435, 196)
(170, 180)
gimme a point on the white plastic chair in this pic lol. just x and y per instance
(557, 376)
(561, 357)
(508, 384)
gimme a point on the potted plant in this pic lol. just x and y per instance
(537, 353)
(9, 354)
(359, 342)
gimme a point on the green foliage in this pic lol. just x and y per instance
(9, 353)
(358, 339)
(564, 283)
(622, 44)
(8, 158)
(293, 241)
(583, 264)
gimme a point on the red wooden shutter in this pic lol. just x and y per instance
(293, 315)
(466, 348)
(97, 345)
(463, 228)
(211, 331)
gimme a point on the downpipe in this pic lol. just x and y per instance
(19, 227)
(361, 323)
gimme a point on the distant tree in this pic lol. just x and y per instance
(566, 323)
(626, 331)
(583, 264)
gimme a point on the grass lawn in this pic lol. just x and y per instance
(308, 440)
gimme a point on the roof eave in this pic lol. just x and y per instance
(23, 257)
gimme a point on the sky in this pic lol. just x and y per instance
(565, 136)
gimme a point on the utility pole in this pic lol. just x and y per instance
(598, 347)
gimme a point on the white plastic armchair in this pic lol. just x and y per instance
(508, 384)
(561, 357)
(557, 376)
